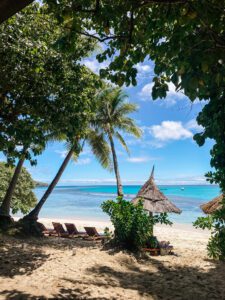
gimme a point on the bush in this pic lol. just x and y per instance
(133, 226)
(216, 223)
(23, 197)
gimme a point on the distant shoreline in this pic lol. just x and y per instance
(114, 185)
(40, 184)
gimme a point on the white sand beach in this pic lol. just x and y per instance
(57, 268)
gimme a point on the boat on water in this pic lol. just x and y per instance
(182, 188)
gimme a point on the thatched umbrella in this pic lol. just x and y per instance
(154, 200)
(212, 205)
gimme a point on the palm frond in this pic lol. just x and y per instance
(125, 109)
(55, 137)
(128, 125)
(68, 146)
(112, 115)
(100, 149)
(122, 141)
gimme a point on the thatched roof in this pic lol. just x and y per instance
(154, 200)
(212, 205)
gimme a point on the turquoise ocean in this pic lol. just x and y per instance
(83, 202)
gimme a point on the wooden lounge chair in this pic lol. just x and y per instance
(60, 230)
(46, 231)
(93, 234)
(72, 230)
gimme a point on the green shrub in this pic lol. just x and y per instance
(216, 223)
(133, 226)
(23, 197)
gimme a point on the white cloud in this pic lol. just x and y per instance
(86, 151)
(192, 124)
(90, 181)
(80, 161)
(61, 153)
(146, 91)
(138, 159)
(170, 130)
(83, 161)
(94, 65)
(172, 94)
(184, 180)
(156, 136)
(143, 68)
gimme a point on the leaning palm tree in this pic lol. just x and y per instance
(99, 148)
(111, 119)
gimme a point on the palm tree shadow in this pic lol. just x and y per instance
(165, 283)
(152, 279)
(20, 259)
(23, 256)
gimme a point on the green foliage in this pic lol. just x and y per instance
(23, 197)
(112, 115)
(99, 147)
(43, 91)
(132, 224)
(185, 39)
(112, 119)
(216, 223)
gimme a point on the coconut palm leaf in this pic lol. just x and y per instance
(122, 141)
(100, 149)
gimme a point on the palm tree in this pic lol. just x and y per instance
(100, 149)
(112, 119)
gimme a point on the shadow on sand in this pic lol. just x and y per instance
(186, 283)
(23, 256)
(151, 278)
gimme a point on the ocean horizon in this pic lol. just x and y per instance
(83, 202)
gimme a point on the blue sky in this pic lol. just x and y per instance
(168, 126)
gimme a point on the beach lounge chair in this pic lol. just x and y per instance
(72, 230)
(46, 231)
(93, 234)
(60, 230)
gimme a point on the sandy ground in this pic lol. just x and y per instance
(56, 268)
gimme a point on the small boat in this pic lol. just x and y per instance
(182, 189)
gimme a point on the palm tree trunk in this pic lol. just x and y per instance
(5, 206)
(116, 167)
(33, 215)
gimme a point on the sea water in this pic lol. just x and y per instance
(84, 202)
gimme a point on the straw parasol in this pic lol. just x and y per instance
(212, 205)
(154, 200)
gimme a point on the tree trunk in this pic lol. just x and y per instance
(10, 7)
(5, 206)
(33, 215)
(151, 216)
(116, 167)
(5, 218)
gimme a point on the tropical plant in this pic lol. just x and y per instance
(216, 224)
(184, 39)
(99, 148)
(23, 198)
(112, 119)
(53, 96)
(132, 225)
